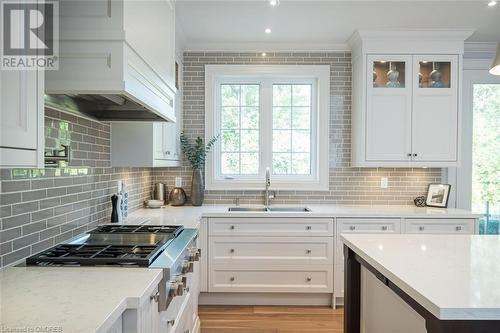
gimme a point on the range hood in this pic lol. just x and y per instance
(102, 107)
(110, 68)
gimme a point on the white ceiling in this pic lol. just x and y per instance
(320, 25)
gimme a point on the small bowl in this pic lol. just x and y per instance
(154, 203)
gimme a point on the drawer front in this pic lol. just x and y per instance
(320, 281)
(440, 226)
(262, 252)
(351, 225)
(270, 227)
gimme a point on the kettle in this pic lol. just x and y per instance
(160, 192)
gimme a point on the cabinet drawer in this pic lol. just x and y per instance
(440, 226)
(368, 225)
(275, 280)
(270, 226)
(270, 251)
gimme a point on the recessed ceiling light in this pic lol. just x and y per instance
(492, 3)
(264, 54)
(274, 3)
(267, 31)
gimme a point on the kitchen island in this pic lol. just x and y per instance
(421, 283)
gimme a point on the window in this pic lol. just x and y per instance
(272, 117)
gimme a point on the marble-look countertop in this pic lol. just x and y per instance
(71, 299)
(455, 277)
(189, 216)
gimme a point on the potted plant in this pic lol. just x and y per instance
(196, 154)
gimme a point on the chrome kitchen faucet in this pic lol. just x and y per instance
(268, 195)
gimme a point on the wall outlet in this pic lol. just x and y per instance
(384, 182)
(178, 181)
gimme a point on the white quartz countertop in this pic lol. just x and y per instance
(455, 277)
(189, 216)
(71, 299)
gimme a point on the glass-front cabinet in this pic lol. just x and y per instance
(388, 108)
(434, 74)
(388, 74)
(411, 110)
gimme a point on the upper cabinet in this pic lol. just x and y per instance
(406, 108)
(22, 118)
(119, 53)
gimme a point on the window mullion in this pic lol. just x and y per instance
(266, 123)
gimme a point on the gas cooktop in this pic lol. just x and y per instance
(118, 245)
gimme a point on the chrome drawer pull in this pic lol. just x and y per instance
(308, 227)
(308, 251)
(458, 228)
(384, 228)
(352, 227)
(421, 228)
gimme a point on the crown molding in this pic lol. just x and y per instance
(266, 47)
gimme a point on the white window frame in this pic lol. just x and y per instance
(318, 76)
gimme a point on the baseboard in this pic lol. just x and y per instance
(265, 299)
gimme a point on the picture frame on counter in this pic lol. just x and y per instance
(438, 195)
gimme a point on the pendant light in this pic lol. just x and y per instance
(495, 66)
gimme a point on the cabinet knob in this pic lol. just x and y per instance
(415, 155)
(171, 322)
(384, 228)
(308, 227)
(155, 297)
(231, 227)
(421, 228)
(308, 279)
(352, 227)
(458, 228)
(231, 278)
(409, 154)
(167, 152)
(308, 251)
(232, 250)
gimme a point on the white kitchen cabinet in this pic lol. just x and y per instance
(388, 110)
(269, 255)
(140, 145)
(22, 118)
(435, 109)
(406, 109)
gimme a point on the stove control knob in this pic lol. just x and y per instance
(176, 287)
(187, 267)
(194, 254)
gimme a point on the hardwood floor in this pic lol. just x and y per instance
(270, 319)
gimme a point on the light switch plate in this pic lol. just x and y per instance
(384, 182)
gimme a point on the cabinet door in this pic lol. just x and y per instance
(158, 141)
(435, 108)
(21, 109)
(388, 109)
